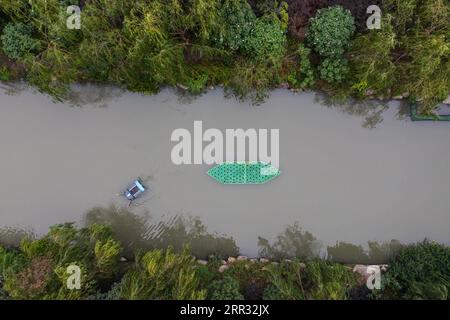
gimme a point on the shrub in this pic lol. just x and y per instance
(330, 31)
(5, 74)
(38, 269)
(18, 41)
(225, 289)
(162, 274)
(285, 282)
(358, 10)
(316, 279)
(425, 74)
(327, 281)
(304, 77)
(420, 271)
(237, 21)
(251, 277)
(265, 41)
(371, 62)
(334, 70)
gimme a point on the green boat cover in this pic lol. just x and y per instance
(244, 172)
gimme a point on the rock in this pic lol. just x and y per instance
(223, 268)
(369, 92)
(242, 258)
(448, 100)
(398, 98)
(302, 265)
(202, 262)
(179, 85)
(253, 260)
(123, 259)
(231, 260)
(263, 260)
(405, 95)
(288, 260)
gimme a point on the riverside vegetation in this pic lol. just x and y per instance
(248, 47)
(36, 268)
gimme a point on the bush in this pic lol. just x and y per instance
(18, 41)
(316, 279)
(163, 275)
(237, 21)
(420, 271)
(265, 41)
(5, 74)
(304, 77)
(371, 62)
(38, 269)
(330, 31)
(225, 289)
(334, 70)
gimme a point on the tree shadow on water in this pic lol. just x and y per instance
(295, 243)
(370, 110)
(94, 95)
(377, 253)
(12, 237)
(140, 232)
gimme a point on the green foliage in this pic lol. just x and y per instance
(238, 19)
(422, 50)
(17, 40)
(330, 31)
(163, 274)
(251, 277)
(426, 74)
(316, 279)
(37, 270)
(304, 77)
(420, 271)
(106, 253)
(327, 281)
(285, 282)
(225, 289)
(334, 70)
(5, 74)
(265, 41)
(371, 63)
(145, 45)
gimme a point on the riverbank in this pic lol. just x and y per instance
(383, 49)
(86, 264)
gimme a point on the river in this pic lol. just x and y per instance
(343, 178)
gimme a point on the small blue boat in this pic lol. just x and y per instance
(135, 190)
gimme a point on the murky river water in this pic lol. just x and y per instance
(341, 181)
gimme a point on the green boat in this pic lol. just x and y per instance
(244, 172)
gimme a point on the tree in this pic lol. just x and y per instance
(17, 40)
(163, 275)
(371, 62)
(330, 31)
